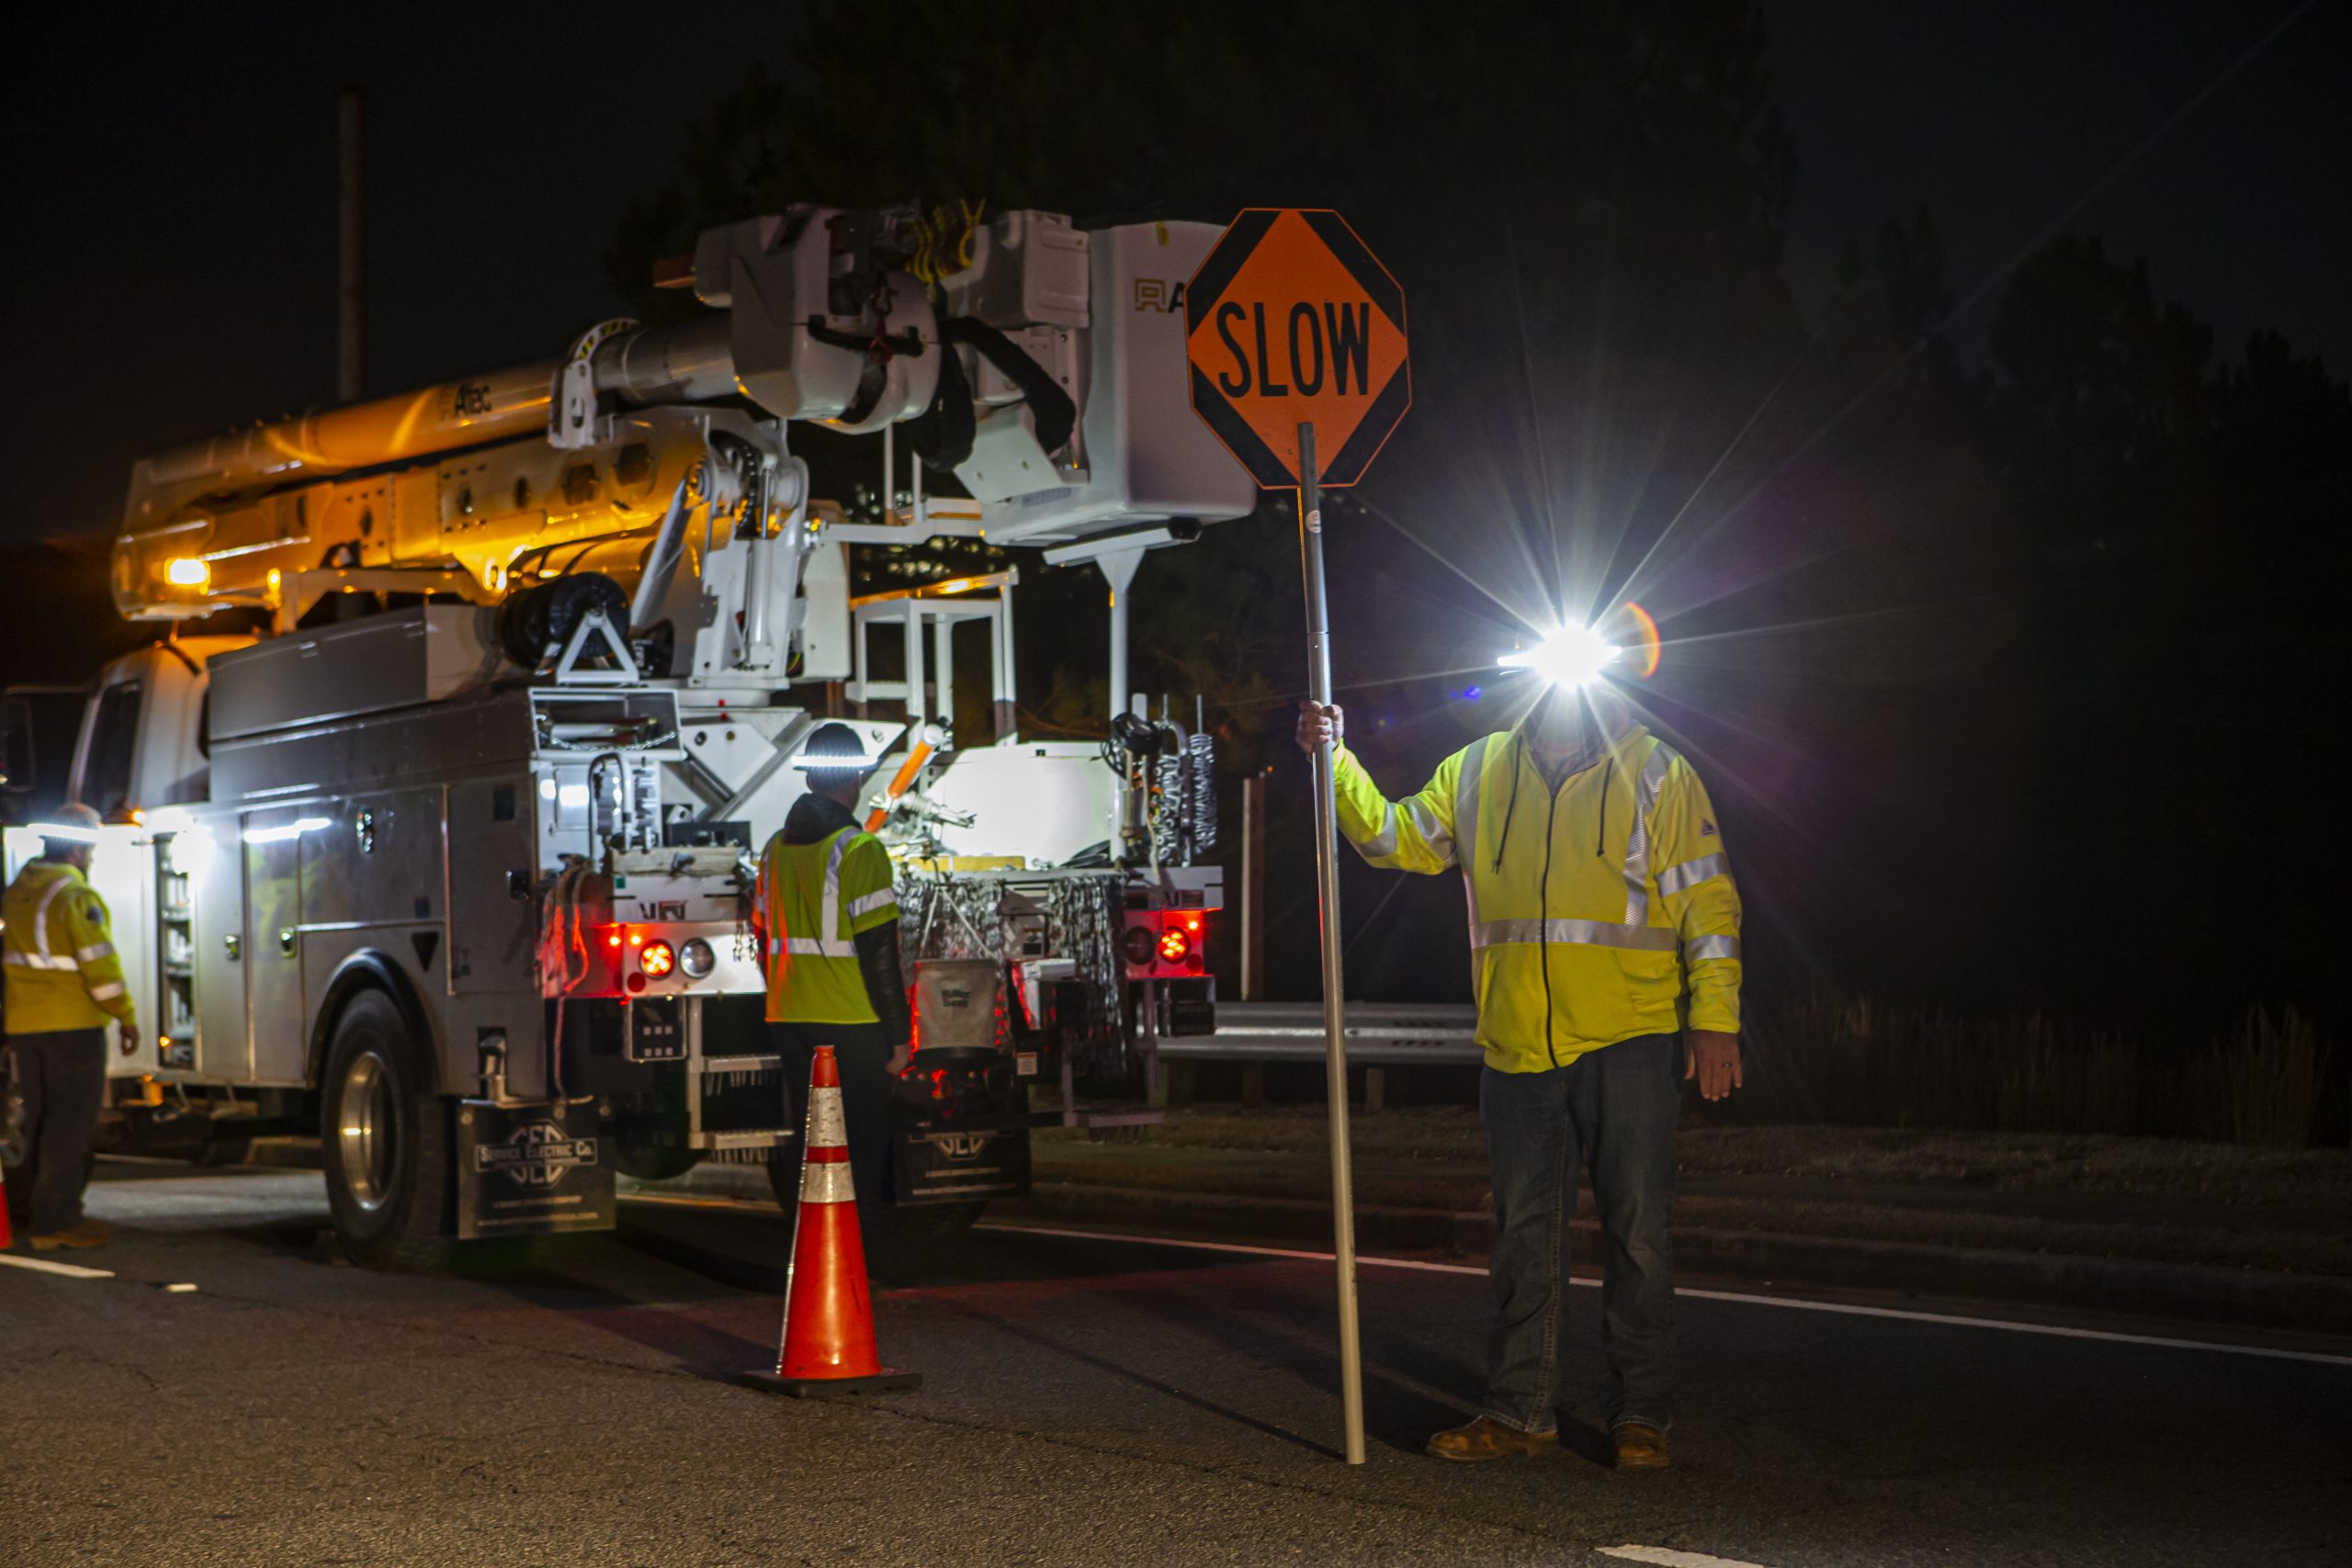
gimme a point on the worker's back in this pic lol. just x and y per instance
(57, 951)
(822, 881)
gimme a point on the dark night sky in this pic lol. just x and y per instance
(2000, 114)
(171, 184)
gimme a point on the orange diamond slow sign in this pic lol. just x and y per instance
(1290, 321)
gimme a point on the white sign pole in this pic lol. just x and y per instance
(1327, 884)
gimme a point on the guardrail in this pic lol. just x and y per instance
(1378, 1034)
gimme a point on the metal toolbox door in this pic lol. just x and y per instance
(216, 873)
(493, 933)
(274, 940)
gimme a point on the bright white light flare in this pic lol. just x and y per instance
(1572, 656)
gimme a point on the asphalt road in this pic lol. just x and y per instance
(1085, 1401)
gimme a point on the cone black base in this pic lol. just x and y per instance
(884, 1382)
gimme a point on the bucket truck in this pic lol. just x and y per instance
(451, 857)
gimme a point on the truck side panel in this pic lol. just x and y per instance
(216, 864)
(492, 931)
(273, 943)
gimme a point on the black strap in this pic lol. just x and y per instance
(907, 344)
(1051, 411)
(942, 435)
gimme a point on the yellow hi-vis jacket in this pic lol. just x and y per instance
(814, 900)
(1596, 914)
(57, 953)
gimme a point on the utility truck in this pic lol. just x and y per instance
(450, 857)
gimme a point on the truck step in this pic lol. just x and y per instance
(745, 1138)
(713, 1066)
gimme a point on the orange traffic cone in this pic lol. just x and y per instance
(827, 1315)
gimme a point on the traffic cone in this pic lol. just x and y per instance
(828, 1314)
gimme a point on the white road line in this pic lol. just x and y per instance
(43, 1266)
(1671, 1558)
(1793, 1303)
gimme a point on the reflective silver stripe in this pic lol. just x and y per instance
(36, 961)
(106, 992)
(776, 945)
(829, 921)
(809, 947)
(826, 1181)
(1382, 843)
(826, 1128)
(1702, 947)
(1465, 824)
(1426, 824)
(93, 953)
(1585, 933)
(886, 899)
(41, 922)
(1638, 843)
(1691, 873)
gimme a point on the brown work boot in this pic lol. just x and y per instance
(1640, 1446)
(89, 1233)
(1487, 1437)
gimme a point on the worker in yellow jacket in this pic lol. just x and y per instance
(1604, 934)
(828, 913)
(63, 986)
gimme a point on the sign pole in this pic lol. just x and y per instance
(1327, 885)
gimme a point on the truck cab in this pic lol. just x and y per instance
(145, 741)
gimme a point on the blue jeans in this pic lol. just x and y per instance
(1613, 1108)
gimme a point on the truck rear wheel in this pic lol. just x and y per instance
(384, 1139)
(651, 1154)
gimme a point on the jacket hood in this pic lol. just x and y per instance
(813, 817)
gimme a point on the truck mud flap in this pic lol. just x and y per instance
(530, 1170)
(961, 1165)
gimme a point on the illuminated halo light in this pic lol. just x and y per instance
(808, 764)
(1650, 646)
(188, 572)
(1570, 656)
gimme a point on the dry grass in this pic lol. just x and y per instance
(1430, 1143)
(2098, 1195)
(1826, 1058)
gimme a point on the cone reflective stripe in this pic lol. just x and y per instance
(828, 1348)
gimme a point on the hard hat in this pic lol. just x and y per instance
(73, 823)
(834, 749)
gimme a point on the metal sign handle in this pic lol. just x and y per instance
(1327, 886)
